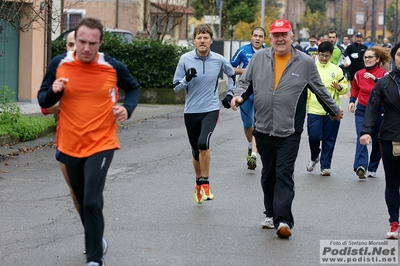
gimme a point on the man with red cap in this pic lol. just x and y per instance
(280, 97)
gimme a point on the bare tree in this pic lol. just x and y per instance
(366, 8)
(160, 18)
(23, 15)
(13, 11)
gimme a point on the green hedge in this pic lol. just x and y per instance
(151, 62)
(14, 124)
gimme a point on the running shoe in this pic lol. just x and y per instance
(268, 223)
(198, 197)
(371, 174)
(93, 263)
(360, 171)
(283, 230)
(252, 162)
(206, 192)
(311, 165)
(394, 231)
(325, 172)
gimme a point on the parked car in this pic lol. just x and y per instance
(127, 35)
(304, 43)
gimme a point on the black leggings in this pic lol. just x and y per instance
(88, 177)
(199, 128)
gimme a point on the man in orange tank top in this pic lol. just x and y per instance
(84, 81)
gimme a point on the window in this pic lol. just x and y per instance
(293, 7)
(300, 10)
(70, 18)
(380, 19)
(359, 18)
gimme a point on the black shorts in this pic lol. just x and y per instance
(59, 156)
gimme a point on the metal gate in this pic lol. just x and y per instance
(9, 57)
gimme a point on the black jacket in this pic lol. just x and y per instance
(386, 92)
(356, 63)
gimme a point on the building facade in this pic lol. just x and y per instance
(24, 55)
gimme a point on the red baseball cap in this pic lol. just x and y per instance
(280, 25)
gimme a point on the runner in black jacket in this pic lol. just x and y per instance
(387, 92)
(356, 52)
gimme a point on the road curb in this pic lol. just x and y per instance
(142, 112)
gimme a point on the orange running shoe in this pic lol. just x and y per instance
(206, 191)
(198, 197)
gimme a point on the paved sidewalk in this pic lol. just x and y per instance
(142, 113)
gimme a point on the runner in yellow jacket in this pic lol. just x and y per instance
(322, 130)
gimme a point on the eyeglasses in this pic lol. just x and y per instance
(369, 56)
(313, 41)
(325, 55)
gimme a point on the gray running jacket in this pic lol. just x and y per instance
(281, 112)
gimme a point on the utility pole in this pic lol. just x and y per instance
(117, 14)
(220, 4)
(395, 25)
(262, 13)
(48, 29)
(384, 18)
(351, 14)
(396, 21)
(341, 19)
(373, 21)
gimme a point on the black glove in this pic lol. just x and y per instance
(342, 66)
(191, 73)
(226, 102)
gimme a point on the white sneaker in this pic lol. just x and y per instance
(268, 223)
(371, 174)
(325, 172)
(283, 230)
(311, 165)
(92, 263)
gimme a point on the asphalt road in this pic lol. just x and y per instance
(150, 213)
